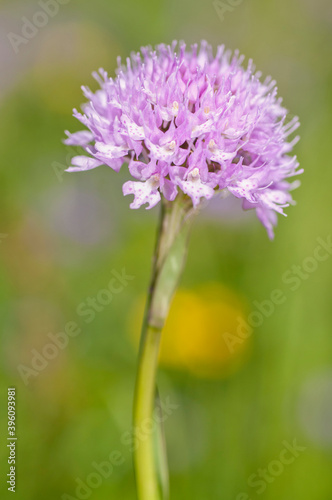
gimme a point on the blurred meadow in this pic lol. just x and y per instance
(235, 406)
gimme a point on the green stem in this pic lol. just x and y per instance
(169, 257)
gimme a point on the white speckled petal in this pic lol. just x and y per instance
(143, 192)
(135, 131)
(193, 186)
(111, 152)
(159, 152)
(220, 156)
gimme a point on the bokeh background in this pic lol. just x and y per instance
(62, 235)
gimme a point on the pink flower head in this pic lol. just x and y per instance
(191, 121)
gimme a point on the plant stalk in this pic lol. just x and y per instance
(168, 262)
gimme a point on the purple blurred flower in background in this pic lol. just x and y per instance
(194, 122)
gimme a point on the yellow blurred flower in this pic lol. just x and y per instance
(193, 338)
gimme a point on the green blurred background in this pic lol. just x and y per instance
(63, 234)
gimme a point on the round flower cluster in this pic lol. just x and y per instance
(191, 121)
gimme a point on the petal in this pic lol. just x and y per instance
(241, 192)
(159, 152)
(144, 192)
(181, 156)
(81, 138)
(201, 129)
(169, 190)
(82, 163)
(268, 218)
(197, 190)
(141, 170)
(193, 187)
(111, 152)
(135, 131)
(115, 163)
(220, 156)
(275, 199)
